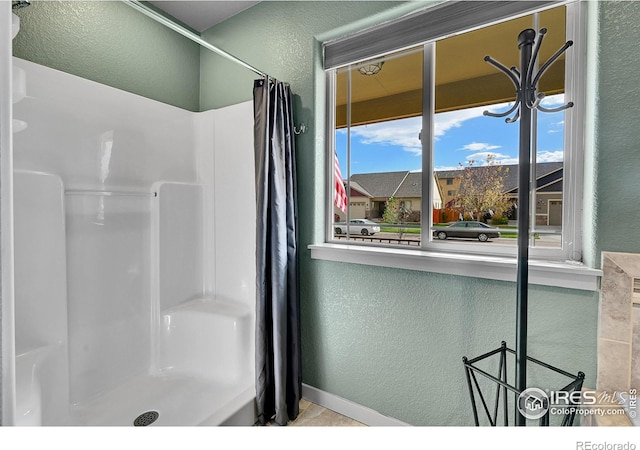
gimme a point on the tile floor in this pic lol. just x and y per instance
(312, 415)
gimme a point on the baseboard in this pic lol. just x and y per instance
(348, 408)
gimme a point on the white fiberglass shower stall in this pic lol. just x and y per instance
(134, 258)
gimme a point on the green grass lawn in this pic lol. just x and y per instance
(396, 230)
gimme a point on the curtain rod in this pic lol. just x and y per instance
(190, 35)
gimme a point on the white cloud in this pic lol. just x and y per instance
(556, 127)
(440, 168)
(480, 158)
(553, 101)
(547, 156)
(479, 146)
(506, 160)
(404, 133)
(399, 133)
(454, 119)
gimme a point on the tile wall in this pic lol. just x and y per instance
(619, 323)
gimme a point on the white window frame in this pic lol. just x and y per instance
(448, 256)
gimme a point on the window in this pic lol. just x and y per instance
(410, 136)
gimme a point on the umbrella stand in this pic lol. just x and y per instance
(525, 79)
(535, 404)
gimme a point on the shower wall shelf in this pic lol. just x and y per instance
(15, 25)
(109, 193)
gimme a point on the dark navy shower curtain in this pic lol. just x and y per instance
(278, 363)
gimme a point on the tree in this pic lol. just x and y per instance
(395, 213)
(482, 189)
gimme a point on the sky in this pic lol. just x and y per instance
(460, 137)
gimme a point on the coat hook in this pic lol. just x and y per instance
(525, 82)
(302, 129)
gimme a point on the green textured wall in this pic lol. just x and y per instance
(612, 209)
(111, 43)
(276, 37)
(389, 339)
(393, 340)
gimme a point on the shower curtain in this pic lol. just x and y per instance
(278, 363)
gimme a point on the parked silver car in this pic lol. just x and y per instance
(364, 227)
(474, 230)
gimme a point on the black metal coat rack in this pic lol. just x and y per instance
(525, 79)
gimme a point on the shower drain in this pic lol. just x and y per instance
(146, 418)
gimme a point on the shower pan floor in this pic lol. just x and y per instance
(178, 400)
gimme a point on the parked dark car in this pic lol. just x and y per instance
(474, 230)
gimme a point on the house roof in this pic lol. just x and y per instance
(551, 187)
(358, 190)
(385, 185)
(444, 174)
(380, 185)
(407, 184)
(546, 173)
(411, 186)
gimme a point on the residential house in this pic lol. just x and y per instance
(548, 190)
(370, 192)
(449, 183)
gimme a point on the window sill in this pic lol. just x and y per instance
(545, 273)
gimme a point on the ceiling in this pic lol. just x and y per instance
(201, 15)
(462, 77)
